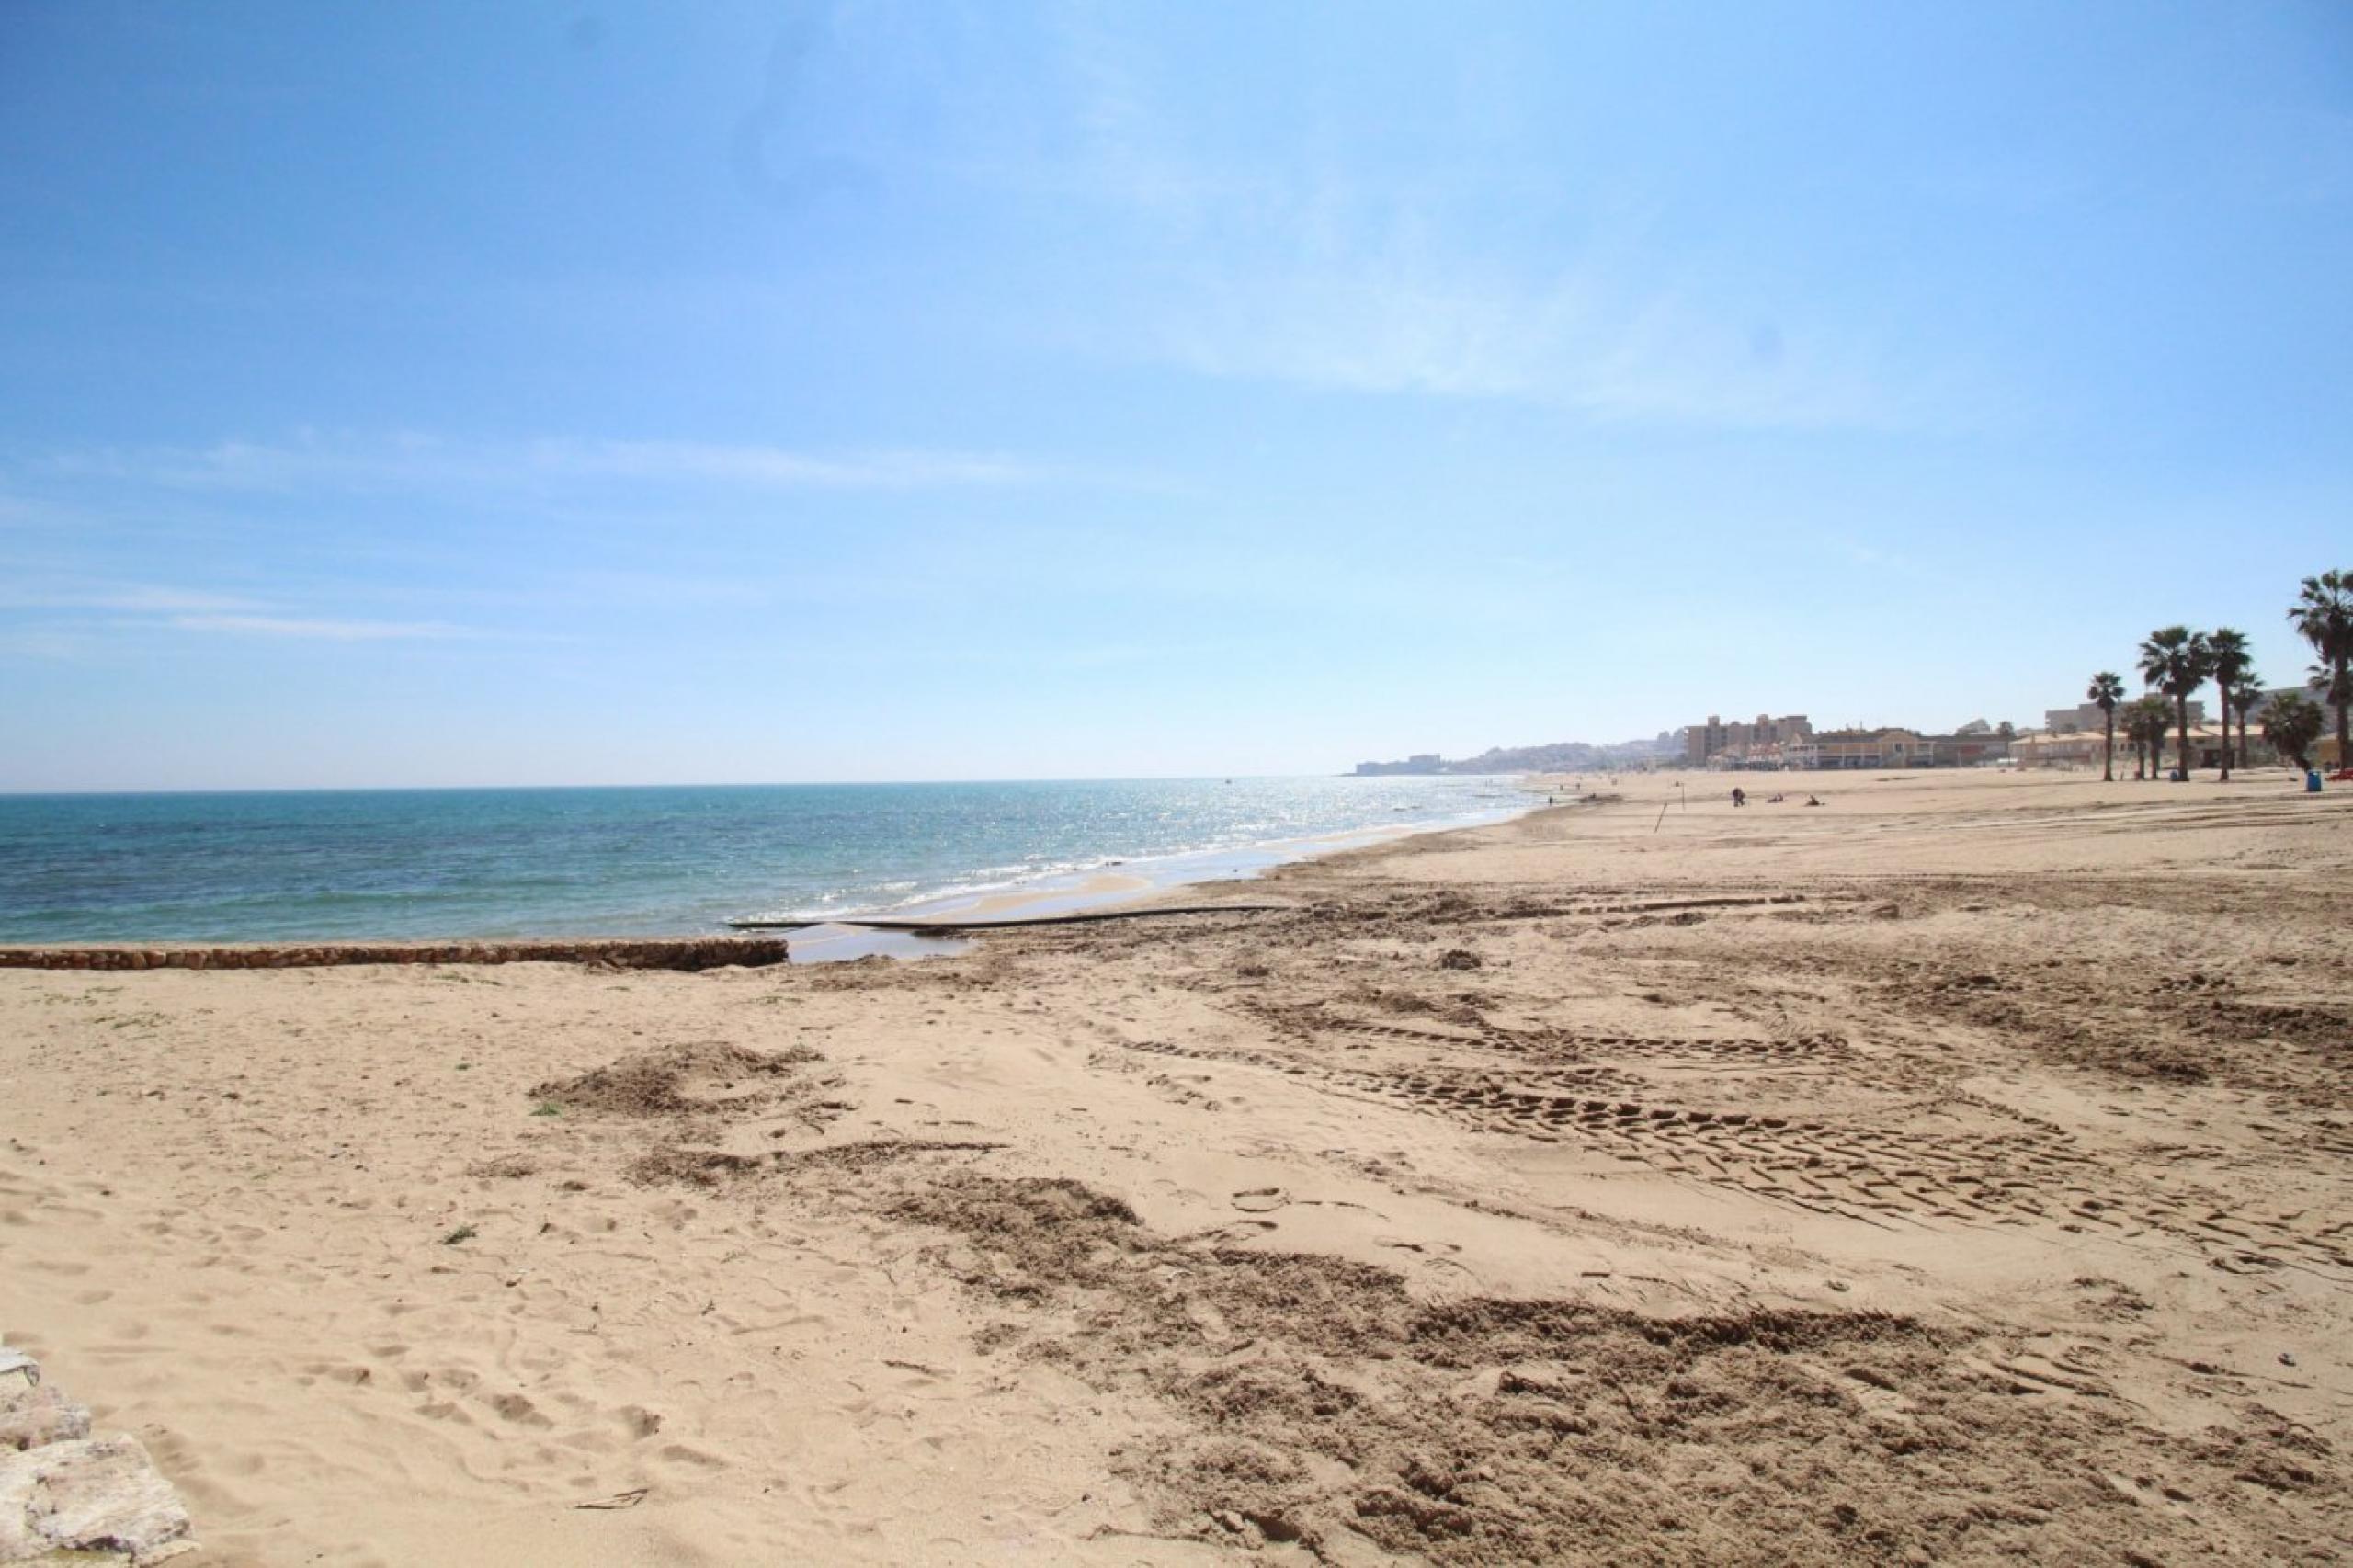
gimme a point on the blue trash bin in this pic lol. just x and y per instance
(2311, 781)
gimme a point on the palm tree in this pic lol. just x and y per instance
(2227, 660)
(2176, 661)
(2322, 613)
(2246, 695)
(2107, 690)
(2293, 725)
(2144, 720)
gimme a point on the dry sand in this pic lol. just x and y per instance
(1955, 1172)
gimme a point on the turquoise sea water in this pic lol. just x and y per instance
(641, 861)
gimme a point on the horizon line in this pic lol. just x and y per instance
(724, 784)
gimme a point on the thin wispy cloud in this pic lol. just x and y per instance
(327, 630)
(1308, 273)
(47, 644)
(414, 461)
(134, 598)
(773, 468)
(325, 529)
(69, 620)
(1578, 343)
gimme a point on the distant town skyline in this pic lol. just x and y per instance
(441, 394)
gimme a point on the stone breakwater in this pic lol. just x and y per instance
(67, 1495)
(688, 953)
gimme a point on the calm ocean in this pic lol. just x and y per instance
(641, 861)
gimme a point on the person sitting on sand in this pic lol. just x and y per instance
(1739, 796)
(1813, 800)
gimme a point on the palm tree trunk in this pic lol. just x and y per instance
(2222, 701)
(2181, 729)
(2344, 744)
(2108, 759)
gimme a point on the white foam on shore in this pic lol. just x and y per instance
(1062, 888)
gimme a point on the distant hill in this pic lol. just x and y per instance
(1560, 756)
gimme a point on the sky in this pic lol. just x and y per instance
(590, 393)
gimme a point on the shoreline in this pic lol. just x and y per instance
(842, 936)
(642, 866)
(845, 938)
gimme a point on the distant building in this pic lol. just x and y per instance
(2206, 747)
(2323, 752)
(1420, 762)
(2087, 716)
(1861, 749)
(2255, 713)
(2065, 748)
(1896, 747)
(1958, 750)
(1792, 741)
(2085, 749)
(1760, 743)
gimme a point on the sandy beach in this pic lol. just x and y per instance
(1952, 1173)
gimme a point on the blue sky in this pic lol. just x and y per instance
(587, 393)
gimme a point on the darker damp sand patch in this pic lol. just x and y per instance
(687, 954)
(694, 1078)
(1321, 1397)
(710, 1168)
(1319, 1401)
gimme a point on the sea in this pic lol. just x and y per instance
(659, 860)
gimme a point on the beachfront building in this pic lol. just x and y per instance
(1898, 747)
(2087, 716)
(1761, 744)
(2082, 748)
(1969, 747)
(2205, 746)
(1792, 741)
(1861, 749)
(2056, 748)
(2323, 752)
(2072, 738)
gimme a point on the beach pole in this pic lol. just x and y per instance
(1662, 816)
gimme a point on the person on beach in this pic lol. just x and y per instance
(1813, 800)
(1739, 796)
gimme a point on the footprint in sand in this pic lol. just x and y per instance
(1428, 1249)
(1234, 1235)
(1443, 1278)
(1261, 1199)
